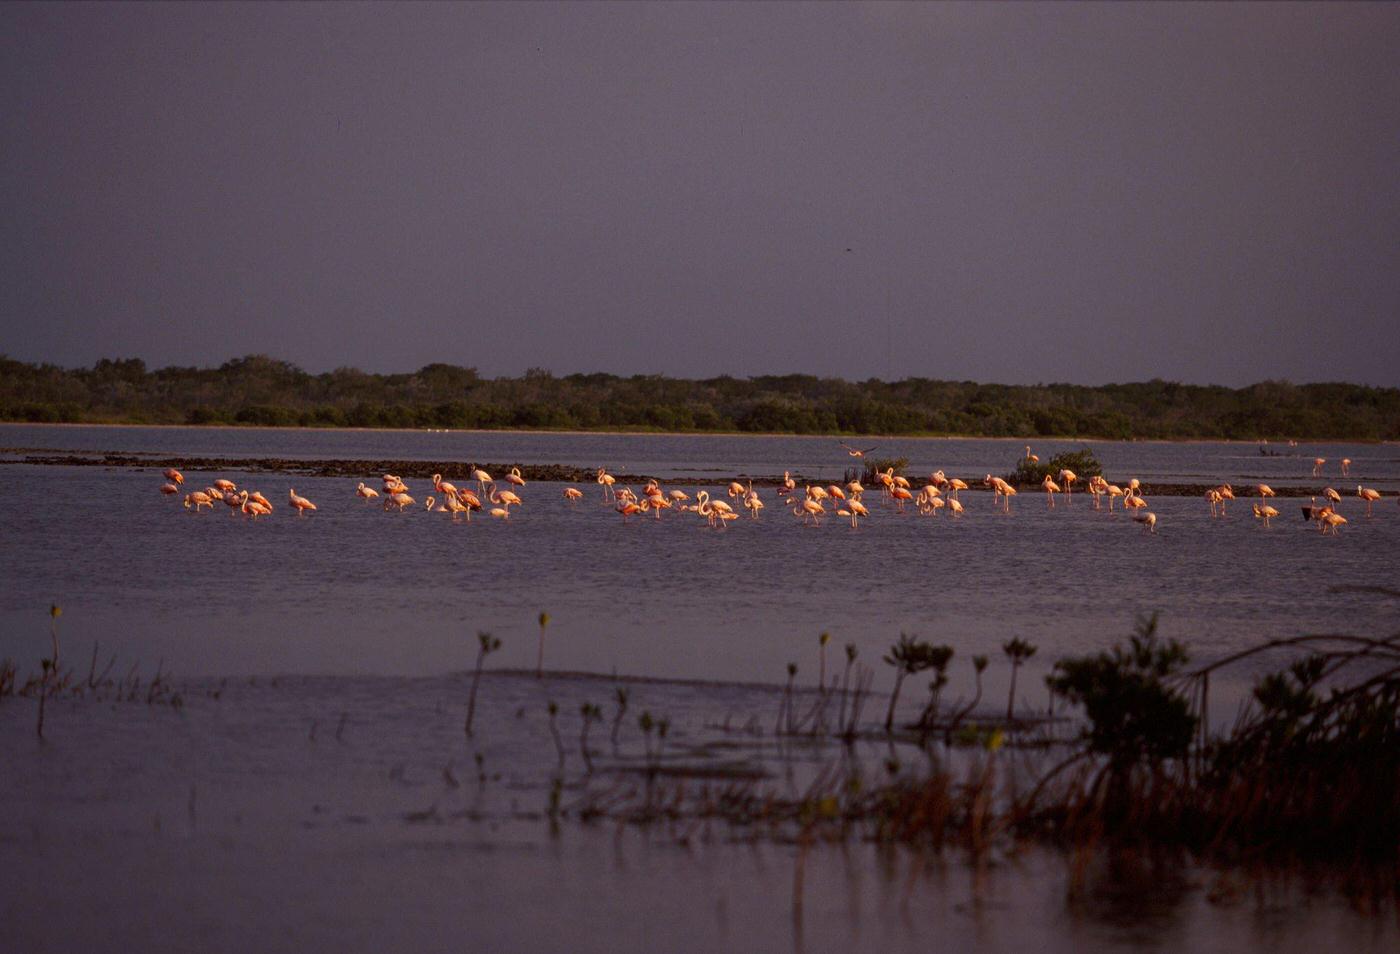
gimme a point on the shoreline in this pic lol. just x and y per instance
(835, 436)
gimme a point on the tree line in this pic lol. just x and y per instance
(260, 390)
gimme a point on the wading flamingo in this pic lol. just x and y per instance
(1368, 495)
(736, 489)
(1068, 477)
(514, 477)
(955, 507)
(225, 486)
(1265, 513)
(198, 499)
(173, 475)
(169, 489)
(1265, 491)
(573, 493)
(1031, 457)
(300, 503)
(365, 493)
(1317, 465)
(606, 481)
(253, 508)
(1051, 489)
(1148, 519)
(443, 487)
(1346, 466)
(481, 477)
(401, 500)
(1330, 521)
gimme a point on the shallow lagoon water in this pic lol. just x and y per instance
(237, 812)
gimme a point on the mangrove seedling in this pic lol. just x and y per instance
(1018, 651)
(554, 731)
(619, 694)
(486, 645)
(50, 666)
(785, 704)
(851, 653)
(590, 714)
(939, 657)
(909, 656)
(979, 665)
(539, 660)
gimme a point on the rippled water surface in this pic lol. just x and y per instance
(352, 589)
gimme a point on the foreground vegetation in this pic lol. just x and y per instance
(258, 390)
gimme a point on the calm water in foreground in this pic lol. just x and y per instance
(245, 821)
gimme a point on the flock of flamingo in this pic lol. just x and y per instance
(810, 503)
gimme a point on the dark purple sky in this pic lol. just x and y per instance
(1087, 193)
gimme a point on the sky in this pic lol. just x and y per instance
(1004, 193)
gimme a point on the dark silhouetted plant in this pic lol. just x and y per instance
(909, 656)
(1134, 714)
(486, 645)
(539, 659)
(620, 694)
(1018, 651)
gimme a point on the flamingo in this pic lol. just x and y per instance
(401, 500)
(365, 493)
(1346, 466)
(500, 513)
(169, 489)
(938, 478)
(1213, 498)
(677, 497)
(1032, 457)
(900, 494)
(835, 492)
(810, 509)
(1051, 489)
(751, 502)
(231, 500)
(1265, 491)
(1331, 495)
(1068, 477)
(514, 477)
(857, 511)
(736, 489)
(1113, 491)
(854, 452)
(200, 499)
(573, 493)
(225, 486)
(506, 498)
(431, 502)
(173, 475)
(469, 500)
(1134, 501)
(955, 506)
(1330, 521)
(625, 507)
(1266, 513)
(954, 485)
(442, 487)
(855, 488)
(788, 485)
(454, 506)
(253, 508)
(481, 477)
(606, 481)
(257, 498)
(1369, 495)
(1317, 465)
(1148, 519)
(300, 503)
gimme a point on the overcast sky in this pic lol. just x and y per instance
(1085, 193)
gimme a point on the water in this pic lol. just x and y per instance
(384, 840)
(352, 589)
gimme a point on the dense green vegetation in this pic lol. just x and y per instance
(259, 390)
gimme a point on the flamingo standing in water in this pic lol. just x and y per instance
(199, 499)
(606, 481)
(1068, 477)
(1031, 457)
(173, 475)
(442, 487)
(1265, 491)
(365, 493)
(169, 489)
(751, 502)
(1148, 519)
(401, 500)
(300, 503)
(503, 498)
(252, 507)
(481, 477)
(1051, 489)
(1346, 466)
(225, 486)
(1368, 495)
(1317, 465)
(1265, 513)
(514, 477)
(856, 510)
(1330, 521)
(955, 507)
(572, 493)
(1332, 495)
(954, 485)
